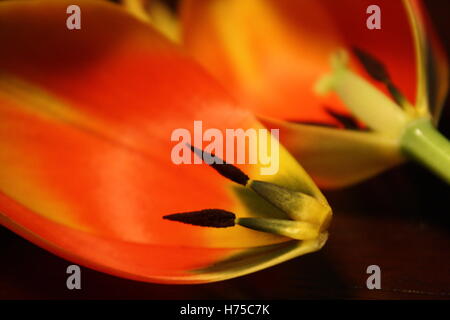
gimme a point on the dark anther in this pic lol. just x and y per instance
(346, 120)
(225, 169)
(214, 218)
(378, 72)
(373, 66)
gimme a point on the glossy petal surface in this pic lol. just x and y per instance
(86, 121)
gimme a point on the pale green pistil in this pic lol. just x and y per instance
(409, 126)
(365, 101)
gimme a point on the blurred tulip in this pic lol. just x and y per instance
(86, 118)
(387, 86)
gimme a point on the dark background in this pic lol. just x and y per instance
(399, 220)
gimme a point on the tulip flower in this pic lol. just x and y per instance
(86, 118)
(350, 102)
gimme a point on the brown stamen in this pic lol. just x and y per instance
(345, 120)
(225, 169)
(378, 71)
(214, 218)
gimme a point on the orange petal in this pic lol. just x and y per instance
(270, 53)
(87, 117)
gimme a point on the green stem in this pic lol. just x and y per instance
(424, 143)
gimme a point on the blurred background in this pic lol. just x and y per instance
(399, 221)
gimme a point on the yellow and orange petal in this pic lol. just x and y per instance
(271, 54)
(86, 121)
